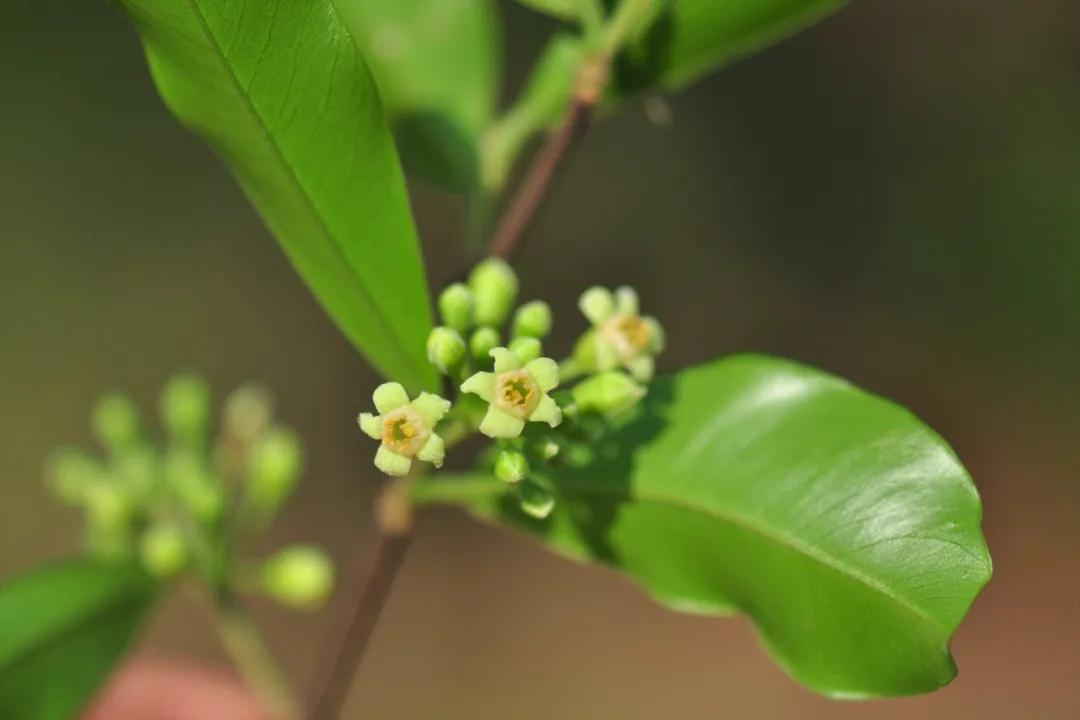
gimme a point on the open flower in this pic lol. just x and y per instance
(406, 429)
(620, 335)
(516, 392)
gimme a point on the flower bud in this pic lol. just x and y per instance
(247, 413)
(198, 491)
(511, 467)
(273, 471)
(533, 320)
(185, 410)
(106, 505)
(137, 475)
(547, 448)
(609, 394)
(163, 551)
(115, 422)
(527, 349)
(456, 306)
(300, 576)
(495, 288)
(535, 500)
(69, 473)
(445, 349)
(482, 342)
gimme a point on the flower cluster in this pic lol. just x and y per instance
(178, 506)
(509, 391)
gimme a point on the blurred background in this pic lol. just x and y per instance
(893, 196)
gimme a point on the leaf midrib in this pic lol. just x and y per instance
(294, 179)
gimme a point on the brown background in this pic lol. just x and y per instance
(894, 196)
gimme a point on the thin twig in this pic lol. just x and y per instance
(529, 197)
(353, 633)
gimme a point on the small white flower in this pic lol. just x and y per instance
(516, 392)
(406, 429)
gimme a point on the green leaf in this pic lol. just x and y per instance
(436, 63)
(693, 37)
(841, 525)
(562, 9)
(280, 90)
(62, 628)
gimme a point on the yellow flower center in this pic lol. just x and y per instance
(403, 431)
(628, 334)
(516, 393)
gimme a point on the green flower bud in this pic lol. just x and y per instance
(609, 393)
(137, 474)
(527, 349)
(185, 410)
(115, 422)
(300, 576)
(547, 449)
(456, 306)
(163, 551)
(445, 350)
(247, 413)
(199, 492)
(533, 320)
(69, 473)
(535, 500)
(106, 505)
(495, 288)
(273, 471)
(511, 467)
(482, 342)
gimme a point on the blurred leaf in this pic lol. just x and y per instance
(62, 628)
(541, 105)
(563, 9)
(282, 93)
(693, 37)
(844, 528)
(437, 66)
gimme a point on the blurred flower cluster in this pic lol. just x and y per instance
(187, 504)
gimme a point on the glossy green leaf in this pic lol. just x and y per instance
(841, 525)
(280, 90)
(62, 629)
(437, 64)
(693, 37)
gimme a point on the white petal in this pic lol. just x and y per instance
(482, 384)
(547, 410)
(504, 360)
(434, 451)
(545, 372)
(389, 396)
(371, 425)
(431, 408)
(497, 424)
(391, 463)
(626, 300)
(597, 304)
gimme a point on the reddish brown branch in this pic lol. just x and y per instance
(530, 195)
(352, 634)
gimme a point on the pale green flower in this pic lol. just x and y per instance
(406, 429)
(621, 336)
(517, 392)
